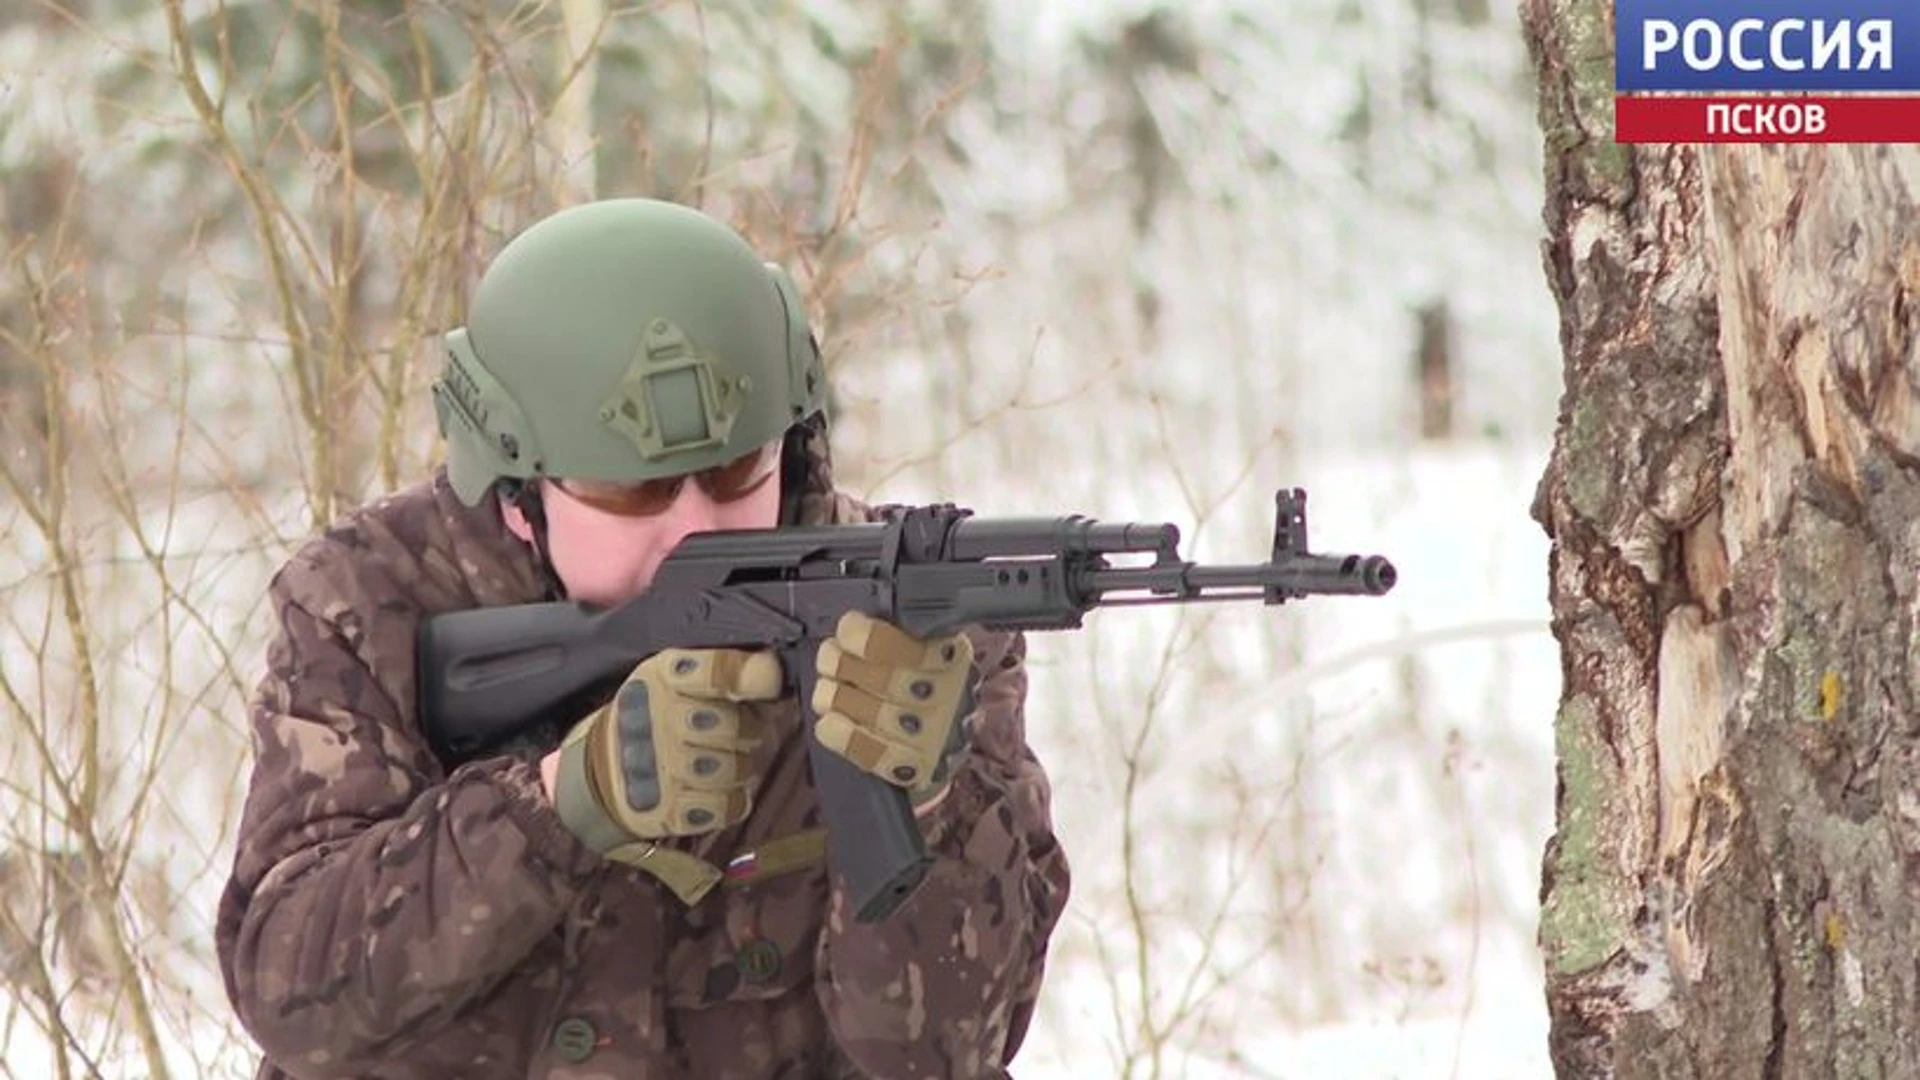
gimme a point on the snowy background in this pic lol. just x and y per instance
(1126, 259)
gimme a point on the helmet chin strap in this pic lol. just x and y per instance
(793, 474)
(796, 465)
(525, 496)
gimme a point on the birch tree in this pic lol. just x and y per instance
(1734, 503)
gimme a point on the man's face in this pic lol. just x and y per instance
(607, 540)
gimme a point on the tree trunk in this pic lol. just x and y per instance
(1734, 504)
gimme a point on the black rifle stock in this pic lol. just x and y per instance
(489, 672)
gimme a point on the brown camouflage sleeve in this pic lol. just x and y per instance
(373, 897)
(947, 986)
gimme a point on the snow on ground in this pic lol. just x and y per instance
(1427, 835)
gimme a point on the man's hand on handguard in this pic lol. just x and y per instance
(894, 704)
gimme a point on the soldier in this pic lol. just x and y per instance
(613, 899)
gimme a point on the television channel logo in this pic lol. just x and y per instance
(1767, 71)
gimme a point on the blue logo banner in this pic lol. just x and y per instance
(1758, 45)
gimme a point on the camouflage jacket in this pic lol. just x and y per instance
(388, 918)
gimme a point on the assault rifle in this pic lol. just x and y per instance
(488, 673)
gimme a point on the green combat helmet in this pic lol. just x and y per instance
(623, 340)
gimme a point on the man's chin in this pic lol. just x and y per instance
(612, 595)
(605, 598)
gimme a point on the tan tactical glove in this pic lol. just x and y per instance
(670, 755)
(892, 703)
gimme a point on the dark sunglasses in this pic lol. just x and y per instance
(728, 482)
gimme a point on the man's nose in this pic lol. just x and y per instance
(692, 511)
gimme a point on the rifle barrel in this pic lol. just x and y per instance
(1311, 575)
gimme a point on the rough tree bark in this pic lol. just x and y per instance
(1734, 504)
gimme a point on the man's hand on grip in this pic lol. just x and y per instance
(671, 754)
